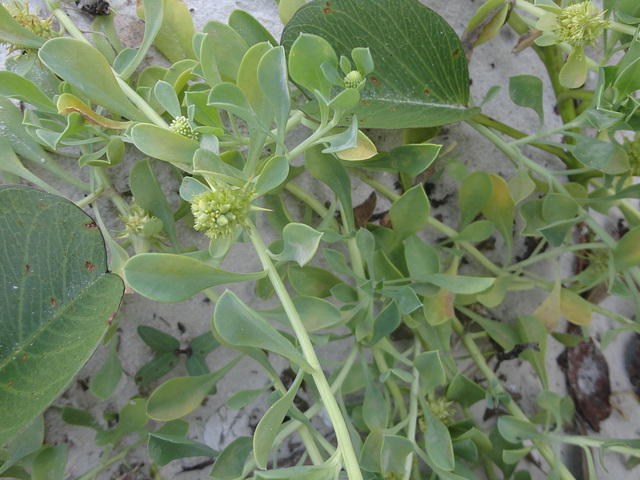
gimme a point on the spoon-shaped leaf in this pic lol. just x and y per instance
(70, 58)
(57, 300)
(181, 395)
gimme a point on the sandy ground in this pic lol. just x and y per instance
(214, 424)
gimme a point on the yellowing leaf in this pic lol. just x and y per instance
(363, 150)
(439, 308)
(500, 210)
(68, 103)
(575, 308)
(548, 312)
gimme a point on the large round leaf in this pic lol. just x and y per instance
(420, 77)
(56, 296)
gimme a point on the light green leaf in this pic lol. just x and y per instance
(521, 186)
(181, 395)
(163, 144)
(531, 329)
(58, 299)
(312, 281)
(165, 277)
(431, 370)
(18, 87)
(68, 58)
(374, 407)
(437, 440)
(394, 452)
(250, 29)
(269, 425)
(106, 380)
(245, 397)
(464, 391)
(300, 244)
(526, 91)
(424, 83)
(386, 322)
(166, 95)
(230, 463)
(474, 194)
(249, 83)
(306, 55)
(626, 254)
(10, 163)
(273, 80)
(154, 10)
(500, 210)
(164, 448)
(229, 48)
(176, 32)
(240, 326)
(410, 213)
(29, 441)
(273, 174)
(409, 159)
(13, 33)
(50, 463)
(515, 430)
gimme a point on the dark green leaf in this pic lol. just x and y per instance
(420, 75)
(230, 463)
(162, 364)
(464, 391)
(106, 380)
(159, 341)
(165, 448)
(58, 299)
(526, 91)
(312, 281)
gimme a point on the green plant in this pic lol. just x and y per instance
(221, 117)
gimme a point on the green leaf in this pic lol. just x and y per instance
(463, 284)
(521, 185)
(159, 341)
(374, 407)
(437, 440)
(425, 82)
(312, 281)
(273, 80)
(27, 442)
(626, 254)
(307, 54)
(230, 463)
(229, 48)
(476, 231)
(58, 299)
(174, 278)
(474, 194)
(330, 171)
(515, 430)
(464, 391)
(176, 32)
(533, 330)
(604, 156)
(161, 364)
(394, 452)
(250, 29)
(269, 425)
(12, 32)
(526, 91)
(245, 397)
(106, 380)
(154, 10)
(166, 448)
(431, 370)
(20, 88)
(300, 244)
(248, 82)
(500, 210)
(166, 95)
(163, 144)
(148, 193)
(131, 418)
(76, 416)
(10, 163)
(50, 463)
(238, 325)
(386, 322)
(181, 395)
(68, 58)
(273, 174)
(410, 213)
(409, 159)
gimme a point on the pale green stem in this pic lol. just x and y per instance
(555, 252)
(314, 138)
(312, 201)
(478, 358)
(413, 411)
(115, 459)
(342, 433)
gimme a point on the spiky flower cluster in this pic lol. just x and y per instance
(441, 409)
(352, 79)
(181, 126)
(219, 212)
(634, 155)
(135, 222)
(29, 20)
(580, 24)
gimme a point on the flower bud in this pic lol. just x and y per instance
(218, 213)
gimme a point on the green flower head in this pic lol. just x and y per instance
(441, 409)
(29, 20)
(219, 212)
(634, 155)
(352, 79)
(580, 24)
(181, 126)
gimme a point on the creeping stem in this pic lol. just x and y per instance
(342, 433)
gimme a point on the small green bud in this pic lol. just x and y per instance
(181, 126)
(218, 213)
(580, 24)
(353, 79)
